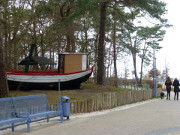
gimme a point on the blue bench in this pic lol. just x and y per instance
(26, 109)
(7, 115)
(34, 108)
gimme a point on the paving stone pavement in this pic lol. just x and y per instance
(152, 117)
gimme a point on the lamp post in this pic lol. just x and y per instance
(155, 74)
(59, 87)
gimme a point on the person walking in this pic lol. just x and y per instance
(168, 84)
(176, 88)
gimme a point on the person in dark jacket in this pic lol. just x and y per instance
(176, 88)
(168, 84)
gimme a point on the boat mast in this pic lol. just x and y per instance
(29, 58)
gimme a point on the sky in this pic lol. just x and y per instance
(170, 53)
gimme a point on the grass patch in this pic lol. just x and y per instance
(116, 88)
(87, 90)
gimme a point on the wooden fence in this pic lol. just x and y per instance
(108, 100)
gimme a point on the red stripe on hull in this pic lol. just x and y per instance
(41, 73)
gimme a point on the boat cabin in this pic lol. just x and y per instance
(72, 62)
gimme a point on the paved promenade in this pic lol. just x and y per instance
(152, 117)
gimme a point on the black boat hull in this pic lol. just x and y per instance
(66, 85)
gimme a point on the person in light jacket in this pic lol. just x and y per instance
(168, 84)
(176, 88)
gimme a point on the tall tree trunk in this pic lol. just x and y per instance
(34, 31)
(135, 69)
(64, 14)
(95, 56)
(34, 25)
(100, 62)
(114, 54)
(140, 80)
(5, 24)
(14, 56)
(59, 47)
(42, 48)
(53, 58)
(42, 44)
(109, 63)
(73, 39)
(6, 43)
(4, 91)
(68, 36)
(86, 33)
(9, 67)
(50, 48)
(142, 63)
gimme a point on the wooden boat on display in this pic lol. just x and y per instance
(72, 71)
(47, 79)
